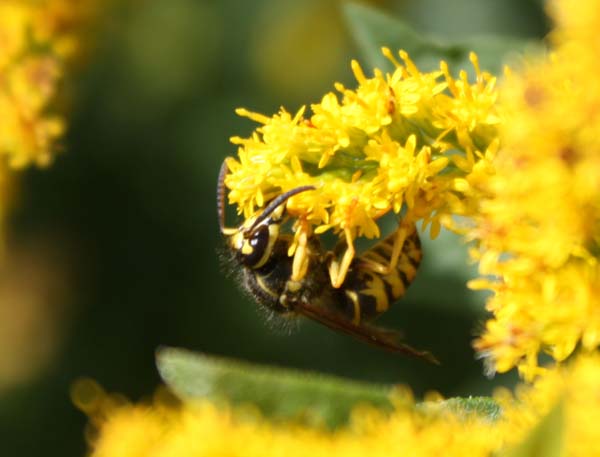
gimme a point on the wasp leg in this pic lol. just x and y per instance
(338, 270)
(301, 256)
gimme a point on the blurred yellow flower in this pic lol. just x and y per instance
(202, 429)
(402, 141)
(539, 229)
(575, 387)
(34, 293)
(35, 39)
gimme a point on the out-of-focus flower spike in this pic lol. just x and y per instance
(390, 56)
(475, 61)
(410, 65)
(358, 72)
(260, 118)
(299, 114)
(451, 84)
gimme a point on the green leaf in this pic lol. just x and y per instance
(284, 394)
(465, 407)
(545, 440)
(373, 28)
(310, 398)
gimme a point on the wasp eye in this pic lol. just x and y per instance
(259, 242)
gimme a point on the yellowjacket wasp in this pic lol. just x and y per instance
(368, 288)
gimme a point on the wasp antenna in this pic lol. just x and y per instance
(279, 201)
(221, 196)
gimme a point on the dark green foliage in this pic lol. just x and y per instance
(372, 29)
(309, 398)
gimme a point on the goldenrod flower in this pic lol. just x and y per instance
(539, 230)
(35, 39)
(574, 387)
(203, 429)
(404, 141)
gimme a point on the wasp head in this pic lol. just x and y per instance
(254, 239)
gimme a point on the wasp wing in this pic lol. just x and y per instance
(384, 338)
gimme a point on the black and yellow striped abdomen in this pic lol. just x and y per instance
(367, 292)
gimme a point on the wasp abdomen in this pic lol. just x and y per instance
(367, 292)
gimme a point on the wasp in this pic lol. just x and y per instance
(260, 248)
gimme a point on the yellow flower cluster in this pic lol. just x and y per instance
(573, 387)
(402, 141)
(203, 429)
(34, 41)
(37, 37)
(539, 230)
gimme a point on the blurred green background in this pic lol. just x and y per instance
(111, 251)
